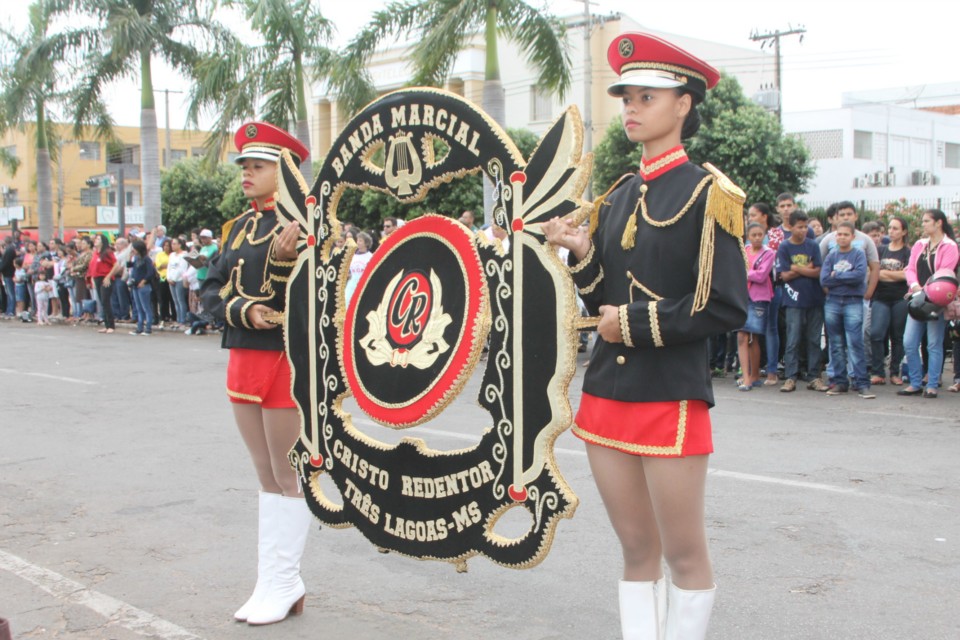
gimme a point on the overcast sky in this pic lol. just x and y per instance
(848, 45)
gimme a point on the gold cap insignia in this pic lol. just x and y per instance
(625, 47)
(251, 131)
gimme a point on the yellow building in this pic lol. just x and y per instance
(76, 205)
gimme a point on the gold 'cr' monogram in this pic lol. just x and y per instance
(403, 164)
(625, 47)
(251, 131)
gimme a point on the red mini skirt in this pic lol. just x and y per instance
(259, 377)
(671, 429)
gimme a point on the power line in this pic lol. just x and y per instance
(775, 36)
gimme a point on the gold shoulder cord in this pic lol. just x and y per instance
(630, 231)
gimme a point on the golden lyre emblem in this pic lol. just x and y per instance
(403, 168)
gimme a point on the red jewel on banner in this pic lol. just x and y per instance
(310, 201)
(517, 225)
(311, 240)
(316, 460)
(518, 494)
(518, 176)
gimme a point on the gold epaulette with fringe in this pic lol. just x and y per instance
(725, 202)
(725, 205)
(228, 227)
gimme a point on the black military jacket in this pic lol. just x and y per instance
(664, 354)
(244, 274)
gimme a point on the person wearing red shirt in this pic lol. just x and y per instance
(100, 268)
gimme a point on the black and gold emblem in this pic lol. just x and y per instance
(625, 47)
(433, 296)
(250, 131)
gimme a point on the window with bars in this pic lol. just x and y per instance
(541, 105)
(89, 197)
(176, 155)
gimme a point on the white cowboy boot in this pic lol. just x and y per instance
(266, 550)
(285, 591)
(688, 613)
(642, 609)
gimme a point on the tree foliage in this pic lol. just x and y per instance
(194, 197)
(748, 144)
(737, 136)
(240, 81)
(441, 29)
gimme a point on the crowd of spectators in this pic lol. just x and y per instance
(829, 307)
(144, 278)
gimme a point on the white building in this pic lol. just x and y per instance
(885, 145)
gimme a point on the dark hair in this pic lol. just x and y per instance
(140, 247)
(871, 226)
(903, 225)
(786, 195)
(167, 242)
(754, 225)
(105, 247)
(940, 216)
(391, 220)
(765, 211)
(846, 224)
(831, 211)
(845, 204)
(691, 124)
(798, 216)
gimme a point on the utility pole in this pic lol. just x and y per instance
(166, 102)
(775, 36)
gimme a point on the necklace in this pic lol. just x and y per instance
(642, 205)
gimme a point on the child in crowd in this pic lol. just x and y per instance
(760, 261)
(43, 290)
(798, 266)
(21, 281)
(844, 277)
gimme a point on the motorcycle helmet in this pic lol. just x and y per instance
(920, 308)
(941, 288)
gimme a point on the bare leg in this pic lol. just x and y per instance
(282, 428)
(754, 349)
(249, 419)
(743, 352)
(676, 487)
(623, 487)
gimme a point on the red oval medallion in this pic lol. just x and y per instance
(311, 240)
(409, 309)
(517, 225)
(416, 323)
(518, 494)
(518, 176)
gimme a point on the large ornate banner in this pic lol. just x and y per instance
(433, 296)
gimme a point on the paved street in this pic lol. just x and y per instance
(128, 510)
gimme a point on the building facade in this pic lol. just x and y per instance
(75, 204)
(885, 145)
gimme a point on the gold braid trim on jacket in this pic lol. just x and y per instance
(725, 207)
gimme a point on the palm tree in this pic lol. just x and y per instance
(443, 28)
(269, 78)
(122, 43)
(28, 90)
